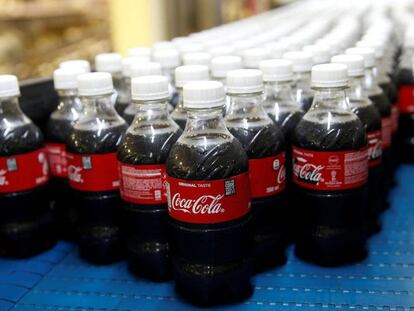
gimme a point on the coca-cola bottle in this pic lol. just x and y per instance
(169, 59)
(383, 105)
(141, 158)
(140, 70)
(184, 75)
(26, 226)
(78, 63)
(111, 63)
(405, 81)
(124, 93)
(264, 144)
(58, 129)
(209, 203)
(93, 170)
(301, 66)
(330, 171)
(371, 119)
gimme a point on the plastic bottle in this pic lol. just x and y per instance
(93, 170)
(209, 203)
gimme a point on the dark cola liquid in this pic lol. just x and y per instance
(306, 102)
(120, 107)
(383, 105)
(210, 261)
(129, 114)
(26, 226)
(98, 213)
(57, 131)
(406, 121)
(331, 223)
(269, 214)
(371, 120)
(146, 226)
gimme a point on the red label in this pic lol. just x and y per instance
(143, 184)
(208, 201)
(339, 170)
(374, 148)
(267, 176)
(386, 124)
(23, 171)
(406, 98)
(395, 114)
(56, 155)
(93, 172)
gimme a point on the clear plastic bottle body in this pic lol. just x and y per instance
(148, 141)
(302, 90)
(59, 127)
(331, 225)
(25, 217)
(123, 98)
(210, 261)
(98, 132)
(360, 104)
(261, 139)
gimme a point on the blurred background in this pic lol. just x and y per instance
(38, 34)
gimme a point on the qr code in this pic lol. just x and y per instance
(86, 163)
(230, 187)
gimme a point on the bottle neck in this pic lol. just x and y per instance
(246, 106)
(370, 79)
(180, 101)
(356, 90)
(331, 99)
(99, 108)
(205, 121)
(69, 102)
(151, 111)
(10, 112)
(118, 81)
(280, 92)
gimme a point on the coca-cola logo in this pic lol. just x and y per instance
(311, 172)
(74, 173)
(3, 180)
(281, 176)
(375, 149)
(333, 160)
(205, 204)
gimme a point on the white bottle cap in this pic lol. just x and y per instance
(163, 45)
(197, 58)
(149, 88)
(203, 95)
(253, 57)
(221, 65)
(129, 61)
(108, 62)
(190, 73)
(320, 53)
(67, 78)
(140, 51)
(145, 69)
(191, 47)
(168, 58)
(367, 53)
(9, 86)
(95, 83)
(301, 60)
(76, 63)
(244, 81)
(222, 50)
(376, 45)
(329, 75)
(276, 70)
(277, 49)
(355, 64)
